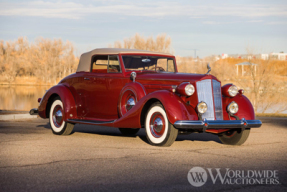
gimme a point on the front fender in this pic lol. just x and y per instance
(245, 107)
(175, 109)
(67, 98)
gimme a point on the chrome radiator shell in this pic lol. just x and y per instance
(209, 91)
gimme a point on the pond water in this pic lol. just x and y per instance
(24, 98)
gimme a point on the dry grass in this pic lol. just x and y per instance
(271, 114)
(46, 60)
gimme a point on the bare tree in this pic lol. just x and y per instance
(48, 60)
(162, 43)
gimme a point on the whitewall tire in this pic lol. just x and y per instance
(57, 123)
(158, 129)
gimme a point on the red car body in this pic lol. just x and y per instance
(96, 96)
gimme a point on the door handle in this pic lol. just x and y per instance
(86, 78)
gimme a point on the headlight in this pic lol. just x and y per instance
(232, 107)
(189, 89)
(202, 107)
(233, 90)
(185, 89)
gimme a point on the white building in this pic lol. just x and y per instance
(264, 56)
(224, 56)
(279, 56)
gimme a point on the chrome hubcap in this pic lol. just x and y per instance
(58, 116)
(157, 124)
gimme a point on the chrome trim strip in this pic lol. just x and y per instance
(218, 124)
(142, 87)
(89, 122)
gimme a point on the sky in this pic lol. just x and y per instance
(212, 27)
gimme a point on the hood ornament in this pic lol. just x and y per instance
(209, 69)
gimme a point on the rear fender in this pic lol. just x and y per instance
(175, 109)
(67, 98)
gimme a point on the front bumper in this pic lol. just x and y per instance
(218, 124)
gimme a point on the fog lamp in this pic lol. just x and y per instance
(202, 107)
(232, 107)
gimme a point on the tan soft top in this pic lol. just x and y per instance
(85, 59)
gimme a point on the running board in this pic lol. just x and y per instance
(88, 122)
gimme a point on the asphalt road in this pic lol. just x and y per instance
(101, 159)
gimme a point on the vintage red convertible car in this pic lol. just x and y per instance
(132, 89)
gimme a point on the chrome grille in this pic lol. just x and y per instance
(204, 93)
(217, 99)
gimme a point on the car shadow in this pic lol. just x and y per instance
(111, 131)
(199, 137)
(47, 126)
(99, 130)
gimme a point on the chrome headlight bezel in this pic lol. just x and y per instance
(202, 107)
(233, 107)
(189, 89)
(233, 90)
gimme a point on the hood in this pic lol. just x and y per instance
(180, 77)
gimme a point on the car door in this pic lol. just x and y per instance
(103, 91)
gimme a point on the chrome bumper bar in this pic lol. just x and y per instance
(33, 111)
(217, 124)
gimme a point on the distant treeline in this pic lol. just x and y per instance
(47, 60)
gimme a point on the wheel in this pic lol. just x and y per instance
(128, 131)
(234, 137)
(57, 123)
(159, 130)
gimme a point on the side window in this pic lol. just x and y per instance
(165, 64)
(161, 64)
(114, 64)
(170, 65)
(100, 64)
(105, 64)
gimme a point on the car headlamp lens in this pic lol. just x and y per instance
(202, 107)
(232, 107)
(189, 89)
(233, 90)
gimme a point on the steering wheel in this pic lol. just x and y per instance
(114, 68)
(159, 68)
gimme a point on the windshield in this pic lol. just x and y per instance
(149, 63)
